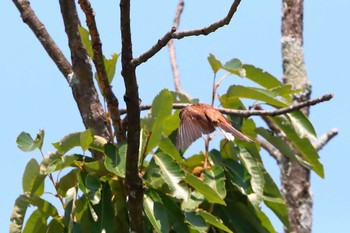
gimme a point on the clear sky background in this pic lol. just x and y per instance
(36, 96)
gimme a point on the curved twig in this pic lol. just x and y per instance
(173, 34)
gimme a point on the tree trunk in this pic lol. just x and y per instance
(295, 178)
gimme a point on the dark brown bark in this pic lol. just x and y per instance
(83, 87)
(133, 180)
(295, 178)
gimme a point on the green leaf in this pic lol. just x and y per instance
(196, 199)
(248, 157)
(274, 200)
(215, 178)
(26, 143)
(46, 208)
(212, 220)
(204, 189)
(108, 219)
(110, 65)
(55, 226)
(155, 211)
(269, 97)
(33, 181)
(93, 189)
(35, 223)
(169, 148)
(214, 63)
(86, 138)
(235, 66)
(302, 125)
(172, 175)
(72, 140)
(84, 35)
(18, 213)
(160, 111)
(196, 222)
(115, 159)
(261, 77)
(68, 181)
(303, 145)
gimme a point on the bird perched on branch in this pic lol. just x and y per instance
(198, 119)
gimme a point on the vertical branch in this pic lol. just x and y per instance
(172, 53)
(82, 84)
(131, 97)
(98, 59)
(295, 178)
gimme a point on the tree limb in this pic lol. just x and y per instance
(133, 180)
(257, 111)
(172, 53)
(324, 139)
(111, 99)
(173, 34)
(270, 149)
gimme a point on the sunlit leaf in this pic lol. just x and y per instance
(214, 63)
(169, 148)
(302, 125)
(68, 181)
(160, 111)
(215, 178)
(303, 145)
(33, 181)
(212, 220)
(155, 211)
(45, 207)
(86, 138)
(35, 223)
(26, 143)
(172, 175)
(55, 226)
(261, 77)
(193, 202)
(110, 65)
(235, 66)
(85, 38)
(204, 189)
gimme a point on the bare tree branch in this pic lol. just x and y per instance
(30, 18)
(258, 111)
(270, 149)
(173, 34)
(172, 53)
(111, 99)
(324, 139)
(133, 180)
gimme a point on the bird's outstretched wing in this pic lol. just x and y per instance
(193, 124)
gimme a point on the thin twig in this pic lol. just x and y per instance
(324, 139)
(173, 34)
(111, 99)
(247, 113)
(172, 53)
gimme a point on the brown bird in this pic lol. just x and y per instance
(198, 119)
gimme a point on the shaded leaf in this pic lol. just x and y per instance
(35, 223)
(68, 181)
(215, 178)
(26, 143)
(32, 181)
(234, 66)
(18, 213)
(55, 226)
(115, 158)
(212, 220)
(196, 222)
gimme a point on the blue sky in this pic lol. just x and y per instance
(36, 96)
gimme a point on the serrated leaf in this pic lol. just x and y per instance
(172, 175)
(86, 138)
(257, 178)
(261, 77)
(214, 63)
(214, 221)
(160, 111)
(215, 178)
(18, 213)
(303, 145)
(156, 212)
(235, 66)
(115, 158)
(204, 189)
(267, 96)
(302, 125)
(85, 38)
